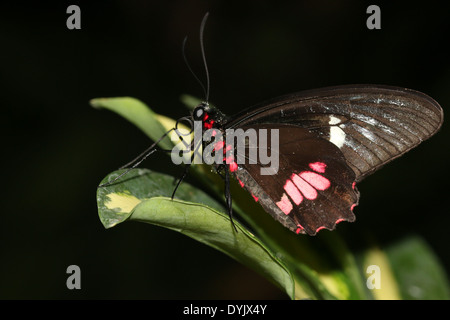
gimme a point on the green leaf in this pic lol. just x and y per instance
(190, 101)
(418, 271)
(137, 113)
(142, 196)
(405, 268)
(350, 285)
(375, 257)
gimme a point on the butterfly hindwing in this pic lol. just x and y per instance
(313, 187)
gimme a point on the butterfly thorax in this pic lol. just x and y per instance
(211, 117)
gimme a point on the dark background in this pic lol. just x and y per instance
(56, 148)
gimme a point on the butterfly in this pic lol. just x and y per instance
(329, 140)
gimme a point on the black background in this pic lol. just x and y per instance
(56, 148)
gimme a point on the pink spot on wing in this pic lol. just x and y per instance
(318, 166)
(339, 220)
(284, 204)
(241, 183)
(255, 197)
(353, 185)
(300, 228)
(228, 148)
(293, 192)
(316, 180)
(307, 190)
(320, 228)
(353, 206)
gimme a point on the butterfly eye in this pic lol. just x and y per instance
(199, 112)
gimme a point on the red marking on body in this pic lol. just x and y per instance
(233, 166)
(229, 159)
(218, 145)
(285, 204)
(306, 189)
(293, 192)
(320, 228)
(208, 125)
(316, 180)
(318, 166)
(255, 197)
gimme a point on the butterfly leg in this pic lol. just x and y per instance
(185, 172)
(228, 198)
(186, 168)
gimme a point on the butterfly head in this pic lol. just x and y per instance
(210, 116)
(200, 111)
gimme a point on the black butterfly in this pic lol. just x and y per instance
(329, 140)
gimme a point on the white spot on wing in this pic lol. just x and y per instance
(333, 120)
(337, 135)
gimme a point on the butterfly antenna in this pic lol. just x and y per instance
(202, 28)
(205, 89)
(189, 67)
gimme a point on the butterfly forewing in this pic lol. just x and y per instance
(371, 125)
